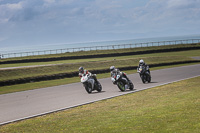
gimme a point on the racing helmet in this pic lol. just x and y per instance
(141, 61)
(112, 68)
(81, 69)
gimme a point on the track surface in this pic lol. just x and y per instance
(27, 104)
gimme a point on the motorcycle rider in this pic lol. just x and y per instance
(142, 63)
(116, 71)
(84, 71)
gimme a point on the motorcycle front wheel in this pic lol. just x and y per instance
(88, 88)
(121, 86)
(143, 77)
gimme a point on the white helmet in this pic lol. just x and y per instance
(141, 61)
(112, 68)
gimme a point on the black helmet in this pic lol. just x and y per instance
(81, 69)
(112, 68)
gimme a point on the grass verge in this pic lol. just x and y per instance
(168, 108)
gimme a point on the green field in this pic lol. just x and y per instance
(168, 108)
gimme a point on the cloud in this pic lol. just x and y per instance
(49, 1)
(2, 39)
(181, 3)
(169, 11)
(104, 12)
(14, 7)
(8, 10)
(63, 19)
(185, 10)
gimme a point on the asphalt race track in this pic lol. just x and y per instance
(28, 104)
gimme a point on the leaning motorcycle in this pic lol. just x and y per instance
(90, 84)
(144, 74)
(122, 82)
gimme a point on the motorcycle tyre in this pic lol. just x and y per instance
(99, 87)
(122, 84)
(149, 80)
(143, 79)
(131, 85)
(88, 88)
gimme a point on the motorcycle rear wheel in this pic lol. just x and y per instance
(99, 87)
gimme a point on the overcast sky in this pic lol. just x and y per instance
(38, 22)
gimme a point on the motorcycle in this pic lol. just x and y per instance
(122, 82)
(144, 74)
(90, 84)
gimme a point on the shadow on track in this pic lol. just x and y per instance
(127, 90)
(96, 92)
(153, 82)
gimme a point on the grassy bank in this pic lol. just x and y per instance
(96, 63)
(169, 108)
